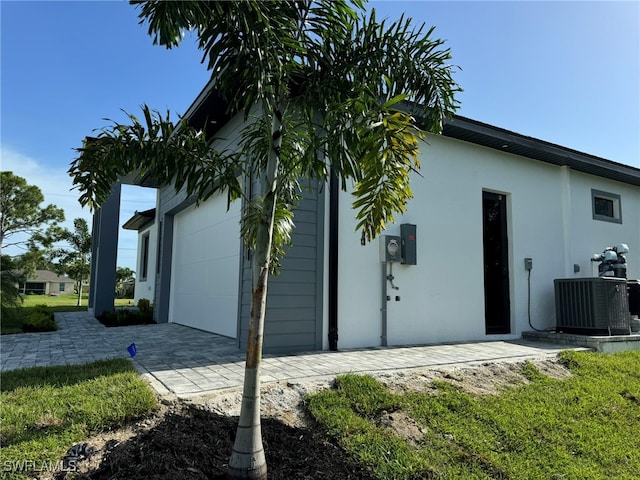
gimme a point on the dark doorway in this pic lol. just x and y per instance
(496, 263)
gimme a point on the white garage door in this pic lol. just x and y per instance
(205, 267)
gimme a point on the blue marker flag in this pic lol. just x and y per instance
(132, 349)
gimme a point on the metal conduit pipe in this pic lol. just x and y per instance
(333, 261)
(385, 299)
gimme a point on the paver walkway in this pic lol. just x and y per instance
(185, 361)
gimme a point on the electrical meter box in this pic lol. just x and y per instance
(389, 248)
(408, 244)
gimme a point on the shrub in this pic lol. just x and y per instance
(10, 277)
(118, 318)
(145, 310)
(144, 305)
(108, 319)
(123, 317)
(40, 320)
(42, 308)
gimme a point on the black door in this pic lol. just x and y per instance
(496, 263)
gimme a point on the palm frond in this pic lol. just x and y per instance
(157, 147)
(283, 226)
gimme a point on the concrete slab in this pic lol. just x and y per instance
(599, 343)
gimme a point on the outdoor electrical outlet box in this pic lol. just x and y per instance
(528, 264)
(408, 243)
(389, 248)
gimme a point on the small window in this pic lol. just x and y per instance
(61, 287)
(144, 258)
(606, 206)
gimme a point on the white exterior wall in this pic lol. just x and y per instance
(442, 298)
(205, 267)
(145, 288)
(592, 236)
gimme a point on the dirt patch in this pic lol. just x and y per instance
(484, 379)
(282, 400)
(402, 425)
(192, 439)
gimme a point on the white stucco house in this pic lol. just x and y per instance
(488, 199)
(145, 282)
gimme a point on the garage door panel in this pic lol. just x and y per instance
(205, 269)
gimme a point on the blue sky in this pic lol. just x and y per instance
(564, 72)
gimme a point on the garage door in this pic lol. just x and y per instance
(205, 267)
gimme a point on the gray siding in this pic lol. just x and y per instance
(170, 203)
(294, 302)
(293, 319)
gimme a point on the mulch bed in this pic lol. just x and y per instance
(194, 443)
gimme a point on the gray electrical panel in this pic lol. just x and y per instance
(408, 244)
(389, 248)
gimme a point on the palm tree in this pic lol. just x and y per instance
(124, 276)
(74, 259)
(324, 90)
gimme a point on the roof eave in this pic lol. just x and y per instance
(479, 133)
(140, 220)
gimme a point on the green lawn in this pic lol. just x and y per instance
(64, 303)
(59, 301)
(582, 427)
(46, 409)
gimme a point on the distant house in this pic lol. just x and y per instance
(496, 217)
(46, 282)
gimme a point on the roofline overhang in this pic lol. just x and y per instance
(139, 220)
(209, 111)
(473, 131)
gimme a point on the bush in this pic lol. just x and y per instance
(114, 318)
(145, 310)
(42, 308)
(144, 306)
(40, 319)
(10, 277)
(122, 317)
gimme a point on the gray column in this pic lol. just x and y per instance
(105, 251)
(95, 234)
(163, 279)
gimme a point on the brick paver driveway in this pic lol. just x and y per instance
(185, 361)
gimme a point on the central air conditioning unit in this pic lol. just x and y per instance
(592, 306)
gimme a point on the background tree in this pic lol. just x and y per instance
(21, 213)
(74, 259)
(35, 258)
(11, 276)
(124, 277)
(321, 87)
(22, 222)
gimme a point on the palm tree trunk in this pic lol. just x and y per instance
(80, 284)
(80, 292)
(247, 457)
